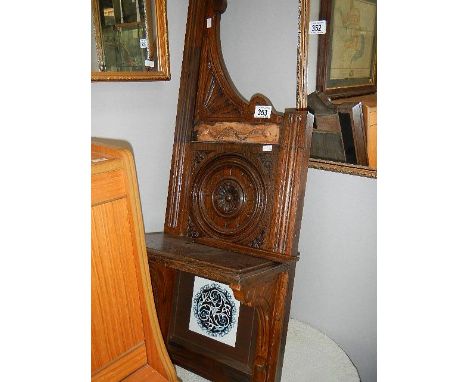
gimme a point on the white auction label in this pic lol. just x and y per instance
(267, 148)
(208, 22)
(149, 63)
(143, 43)
(262, 112)
(318, 27)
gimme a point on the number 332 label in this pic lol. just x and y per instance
(318, 27)
(262, 112)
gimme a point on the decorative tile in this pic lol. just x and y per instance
(215, 311)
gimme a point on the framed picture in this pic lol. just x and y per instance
(130, 41)
(347, 53)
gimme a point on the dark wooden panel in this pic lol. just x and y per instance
(231, 195)
(214, 369)
(239, 357)
(327, 145)
(234, 210)
(214, 263)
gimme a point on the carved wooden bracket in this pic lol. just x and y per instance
(268, 299)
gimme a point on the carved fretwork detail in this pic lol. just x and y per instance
(217, 97)
(192, 229)
(258, 241)
(267, 162)
(216, 102)
(237, 132)
(229, 198)
(210, 90)
(199, 157)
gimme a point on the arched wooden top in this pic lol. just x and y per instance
(218, 100)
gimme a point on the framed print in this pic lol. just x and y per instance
(347, 59)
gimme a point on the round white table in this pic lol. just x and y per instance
(310, 356)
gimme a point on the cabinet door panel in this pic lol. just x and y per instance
(117, 322)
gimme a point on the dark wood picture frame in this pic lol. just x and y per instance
(345, 87)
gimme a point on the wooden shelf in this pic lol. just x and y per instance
(222, 265)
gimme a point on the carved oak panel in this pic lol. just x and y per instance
(236, 190)
(230, 196)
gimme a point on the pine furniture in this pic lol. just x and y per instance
(126, 342)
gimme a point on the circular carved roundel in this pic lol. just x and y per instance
(229, 198)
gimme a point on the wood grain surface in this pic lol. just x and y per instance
(125, 334)
(233, 213)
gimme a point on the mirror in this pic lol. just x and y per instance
(129, 40)
(337, 82)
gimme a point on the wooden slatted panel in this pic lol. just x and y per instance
(115, 302)
(126, 365)
(107, 185)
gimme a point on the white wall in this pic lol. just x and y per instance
(335, 285)
(335, 289)
(144, 115)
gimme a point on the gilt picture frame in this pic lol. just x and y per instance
(129, 44)
(347, 53)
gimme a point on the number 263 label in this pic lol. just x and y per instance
(262, 112)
